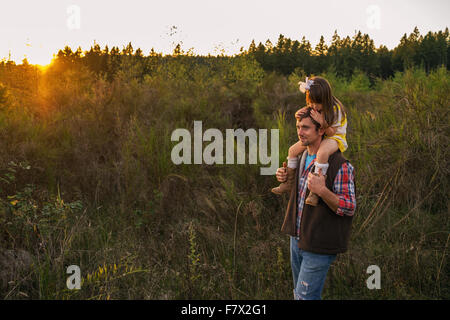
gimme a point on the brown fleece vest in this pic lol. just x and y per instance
(321, 229)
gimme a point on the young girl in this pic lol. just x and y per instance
(329, 112)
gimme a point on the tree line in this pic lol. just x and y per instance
(343, 56)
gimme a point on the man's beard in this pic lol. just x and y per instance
(305, 143)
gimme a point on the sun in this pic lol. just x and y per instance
(43, 67)
(36, 54)
(40, 59)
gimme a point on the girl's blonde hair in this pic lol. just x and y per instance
(320, 92)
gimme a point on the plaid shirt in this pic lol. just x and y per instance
(343, 187)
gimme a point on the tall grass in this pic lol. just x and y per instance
(92, 184)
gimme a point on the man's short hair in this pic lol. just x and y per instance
(307, 114)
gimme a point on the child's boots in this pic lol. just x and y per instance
(313, 199)
(287, 185)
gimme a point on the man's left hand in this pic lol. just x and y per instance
(316, 182)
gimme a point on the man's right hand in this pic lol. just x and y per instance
(281, 174)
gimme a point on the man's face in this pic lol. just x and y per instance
(306, 131)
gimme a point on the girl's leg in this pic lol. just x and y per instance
(296, 149)
(293, 152)
(327, 148)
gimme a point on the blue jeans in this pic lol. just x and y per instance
(309, 271)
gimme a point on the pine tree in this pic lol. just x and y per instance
(269, 46)
(321, 48)
(252, 48)
(334, 50)
(384, 56)
(128, 50)
(320, 55)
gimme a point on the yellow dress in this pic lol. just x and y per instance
(341, 128)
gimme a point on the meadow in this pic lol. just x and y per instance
(86, 179)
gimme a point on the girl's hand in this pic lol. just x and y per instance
(297, 114)
(319, 118)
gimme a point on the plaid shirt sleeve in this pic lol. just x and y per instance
(344, 187)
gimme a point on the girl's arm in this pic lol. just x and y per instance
(330, 131)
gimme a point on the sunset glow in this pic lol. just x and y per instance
(37, 30)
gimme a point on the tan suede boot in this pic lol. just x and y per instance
(287, 185)
(313, 199)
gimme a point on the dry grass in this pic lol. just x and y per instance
(104, 195)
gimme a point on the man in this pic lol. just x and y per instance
(318, 233)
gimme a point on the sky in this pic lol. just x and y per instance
(37, 29)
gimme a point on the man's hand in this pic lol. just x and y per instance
(316, 183)
(281, 174)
